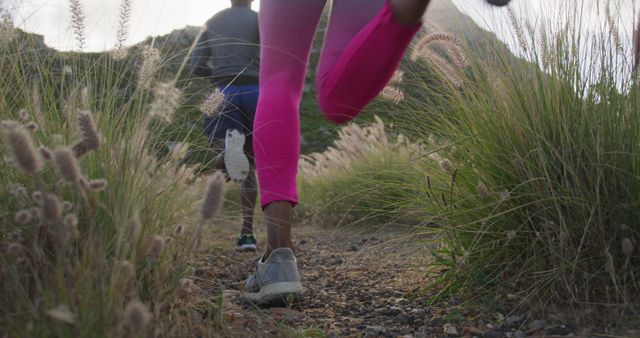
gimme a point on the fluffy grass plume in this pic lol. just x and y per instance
(78, 23)
(213, 197)
(67, 165)
(22, 148)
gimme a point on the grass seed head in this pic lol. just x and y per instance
(211, 107)
(46, 153)
(156, 246)
(24, 115)
(67, 165)
(446, 165)
(22, 147)
(185, 287)
(84, 183)
(15, 249)
(32, 126)
(51, 208)
(98, 185)
(126, 273)
(126, 7)
(78, 23)
(392, 93)
(482, 191)
(177, 232)
(627, 247)
(90, 137)
(36, 213)
(212, 202)
(179, 151)
(15, 236)
(119, 54)
(136, 316)
(7, 28)
(57, 139)
(167, 99)
(148, 67)
(71, 224)
(23, 217)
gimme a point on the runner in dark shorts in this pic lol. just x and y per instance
(228, 53)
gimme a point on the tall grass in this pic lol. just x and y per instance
(543, 170)
(96, 229)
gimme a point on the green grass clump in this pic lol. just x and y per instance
(96, 229)
(542, 171)
(363, 178)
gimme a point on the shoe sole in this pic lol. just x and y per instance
(235, 160)
(276, 294)
(246, 247)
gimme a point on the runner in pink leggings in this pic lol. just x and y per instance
(363, 45)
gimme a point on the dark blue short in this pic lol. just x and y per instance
(237, 112)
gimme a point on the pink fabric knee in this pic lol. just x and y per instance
(362, 49)
(348, 83)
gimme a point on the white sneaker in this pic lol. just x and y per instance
(235, 159)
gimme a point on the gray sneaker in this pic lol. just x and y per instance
(275, 281)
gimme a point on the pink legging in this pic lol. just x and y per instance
(362, 48)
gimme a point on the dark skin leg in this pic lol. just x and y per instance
(248, 188)
(409, 12)
(279, 214)
(248, 193)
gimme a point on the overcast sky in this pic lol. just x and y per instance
(51, 18)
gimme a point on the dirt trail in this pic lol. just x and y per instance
(357, 284)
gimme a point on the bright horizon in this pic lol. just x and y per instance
(51, 18)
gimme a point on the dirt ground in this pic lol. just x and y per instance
(357, 284)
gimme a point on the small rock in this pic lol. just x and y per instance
(492, 334)
(372, 331)
(559, 331)
(519, 334)
(392, 311)
(513, 320)
(406, 319)
(354, 247)
(536, 325)
(450, 329)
